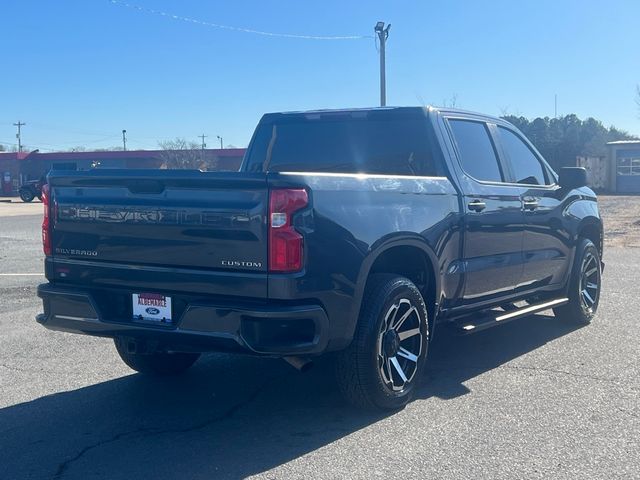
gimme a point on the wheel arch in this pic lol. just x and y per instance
(410, 257)
(591, 228)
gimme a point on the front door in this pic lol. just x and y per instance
(546, 244)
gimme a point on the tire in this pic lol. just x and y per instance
(27, 196)
(585, 284)
(369, 370)
(158, 363)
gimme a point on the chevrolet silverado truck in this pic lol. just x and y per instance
(352, 232)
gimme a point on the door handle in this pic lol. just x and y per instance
(530, 204)
(477, 205)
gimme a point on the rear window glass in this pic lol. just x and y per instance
(347, 144)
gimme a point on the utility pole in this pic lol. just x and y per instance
(19, 134)
(124, 140)
(220, 138)
(383, 34)
(203, 136)
(555, 106)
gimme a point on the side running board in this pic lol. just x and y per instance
(477, 323)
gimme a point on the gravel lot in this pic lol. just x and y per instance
(621, 215)
(535, 398)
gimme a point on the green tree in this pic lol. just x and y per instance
(560, 140)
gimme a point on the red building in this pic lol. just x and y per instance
(18, 168)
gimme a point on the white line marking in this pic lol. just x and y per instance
(21, 274)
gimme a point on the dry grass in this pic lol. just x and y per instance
(621, 216)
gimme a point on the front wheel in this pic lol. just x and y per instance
(584, 285)
(157, 363)
(387, 356)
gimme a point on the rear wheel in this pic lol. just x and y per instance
(157, 363)
(384, 362)
(584, 285)
(26, 195)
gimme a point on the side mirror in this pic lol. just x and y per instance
(572, 177)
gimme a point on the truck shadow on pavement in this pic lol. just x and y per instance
(229, 417)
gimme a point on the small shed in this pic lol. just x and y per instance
(624, 166)
(597, 171)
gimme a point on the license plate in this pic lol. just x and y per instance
(152, 307)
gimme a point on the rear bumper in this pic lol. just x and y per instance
(266, 329)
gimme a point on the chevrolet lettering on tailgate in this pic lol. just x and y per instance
(147, 216)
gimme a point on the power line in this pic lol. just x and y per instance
(45, 126)
(97, 141)
(15, 145)
(235, 29)
(10, 144)
(80, 143)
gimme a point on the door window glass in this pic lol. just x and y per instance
(477, 155)
(526, 167)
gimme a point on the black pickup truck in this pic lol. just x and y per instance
(357, 232)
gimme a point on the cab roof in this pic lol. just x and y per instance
(392, 109)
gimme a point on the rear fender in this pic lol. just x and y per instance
(376, 251)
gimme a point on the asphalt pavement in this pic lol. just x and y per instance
(535, 398)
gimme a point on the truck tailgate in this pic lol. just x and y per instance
(163, 221)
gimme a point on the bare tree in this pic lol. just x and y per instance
(452, 102)
(181, 153)
(108, 149)
(506, 112)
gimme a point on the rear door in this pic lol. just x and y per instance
(493, 220)
(545, 244)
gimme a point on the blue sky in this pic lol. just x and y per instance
(79, 71)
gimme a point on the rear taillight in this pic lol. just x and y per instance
(46, 221)
(285, 243)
